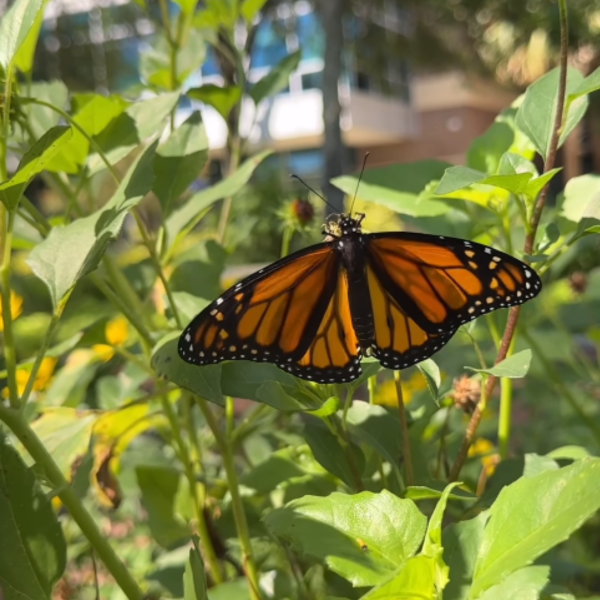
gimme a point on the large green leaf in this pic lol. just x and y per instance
(537, 112)
(578, 195)
(180, 160)
(41, 118)
(71, 252)
(16, 26)
(533, 515)
(221, 98)
(32, 548)
(457, 178)
(159, 486)
(32, 163)
(194, 578)
(24, 57)
(141, 120)
(181, 218)
(250, 8)
(203, 381)
(363, 538)
(93, 113)
(399, 187)
(486, 151)
(277, 79)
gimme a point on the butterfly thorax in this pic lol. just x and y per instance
(348, 241)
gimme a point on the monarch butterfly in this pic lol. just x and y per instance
(396, 296)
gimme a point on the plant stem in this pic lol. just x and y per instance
(186, 460)
(42, 351)
(157, 266)
(7, 220)
(236, 499)
(513, 316)
(504, 421)
(410, 479)
(372, 385)
(288, 234)
(129, 314)
(72, 502)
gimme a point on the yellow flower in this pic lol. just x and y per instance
(16, 308)
(485, 449)
(117, 330)
(385, 393)
(104, 351)
(42, 378)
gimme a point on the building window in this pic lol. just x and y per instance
(306, 163)
(269, 45)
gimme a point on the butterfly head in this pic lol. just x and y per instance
(345, 225)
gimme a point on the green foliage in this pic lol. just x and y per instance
(285, 488)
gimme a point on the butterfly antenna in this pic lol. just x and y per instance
(362, 170)
(293, 176)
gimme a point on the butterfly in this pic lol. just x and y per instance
(396, 296)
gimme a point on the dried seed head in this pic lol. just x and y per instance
(303, 211)
(466, 393)
(578, 282)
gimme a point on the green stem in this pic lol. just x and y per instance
(122, 285)
(130, 315)
(372, 385)
(410, 479)
(288, 234)
(99, 542)
(158, 267)
(504, 422)
(186, 460)
(7, 220)
(42, 351)
(236, 499)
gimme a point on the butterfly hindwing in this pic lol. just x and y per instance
(272, 316)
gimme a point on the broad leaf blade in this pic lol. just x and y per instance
(33, 549)
(525, 584)
(71, 252)
(532, 515)
(513, 367)
(222, 99)
(194, 578)
(15, 27)
(32, 163)
(363, 538)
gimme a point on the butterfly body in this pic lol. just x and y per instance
(397, 296)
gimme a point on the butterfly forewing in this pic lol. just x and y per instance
(442, 283)
(271, 316)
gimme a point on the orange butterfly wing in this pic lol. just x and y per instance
(293, 313)
(424, 287)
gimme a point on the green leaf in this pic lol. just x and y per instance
(329, 407)
(189, 305)
(277, 79)
(461, 543)
(399, 187)
(243, 379)
(194, 578)
(536, 464)
(69, 253)
(378, 428)
(330, 454)
(92, 113)
(155, 63)
(433, 536)
(41, 118)
(187, 8)
(579, 195)
(159, 486)
(279, 467)
(535, 185)
(590, 84)
(16, 26)
(273, 394)
(179, 161)
(222, 99)
(569, 452)
(487, 150)
(250, 8)
(24, 56)
(202, 381)
(457, 178)
(423, 492)
(66, 433)
(33, 551)
(413, 581)
(141, 120)
(32, 163)
(431, 372)
(536, 115)
(229, 186)
(561, 501)
(513, 367)
(364, 537)
(525, 584)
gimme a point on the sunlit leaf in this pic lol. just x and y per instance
(221, 98)
(276, 79)
(513, 367)
(194, 578)
(16, 27)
